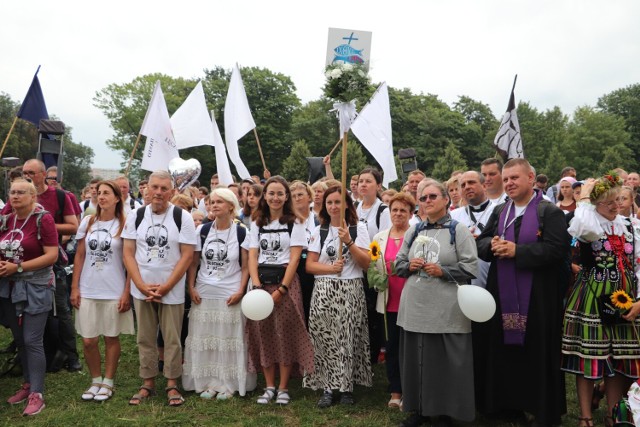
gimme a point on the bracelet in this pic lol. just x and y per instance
(585, 198)
(286, 288)
(350, 244)
(280, 290)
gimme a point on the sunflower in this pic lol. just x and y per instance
(374, 250)
(621, 300)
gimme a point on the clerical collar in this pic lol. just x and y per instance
(481, 207)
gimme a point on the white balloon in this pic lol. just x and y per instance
(257, 304)
(476, 303)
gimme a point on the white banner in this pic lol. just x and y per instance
(191, 123)
(160, 147)
(237, 120)
(373, 128)
(222, 162)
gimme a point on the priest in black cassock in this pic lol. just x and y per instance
(517, 352)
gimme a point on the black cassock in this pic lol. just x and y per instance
(528, 378)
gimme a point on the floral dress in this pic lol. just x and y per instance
(608, 253)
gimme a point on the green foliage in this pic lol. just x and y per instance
(296, 166)
(451, 160)
(625, 103)
(314, 123)
(76, 165)
(356, 160)
(554, 164)
(346, 82)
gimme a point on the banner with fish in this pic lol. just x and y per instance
(348, 47)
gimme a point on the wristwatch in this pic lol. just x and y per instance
(20, 269)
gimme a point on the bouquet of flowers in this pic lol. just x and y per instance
(378, 278)
(346, 82)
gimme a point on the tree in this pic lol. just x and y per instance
(356, 160)
(625, 103)
(314, 123)
(451, 160)
(295, 166)
(76, 167)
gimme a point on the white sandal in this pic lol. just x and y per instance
(105, 393)
(90, 393)
(269, 394)
(283, 397)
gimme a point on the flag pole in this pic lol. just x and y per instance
(344, 188)
(334, 147)
(135, 147)
(8, 135)
(515, 79)
(264, 165)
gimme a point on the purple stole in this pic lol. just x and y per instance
(515, 285)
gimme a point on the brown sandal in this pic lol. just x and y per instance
(588, 422)
(138, 398)
(174, 400)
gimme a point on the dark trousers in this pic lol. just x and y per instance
(392, 355)
(60, 333)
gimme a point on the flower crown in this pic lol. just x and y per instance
(604, 184)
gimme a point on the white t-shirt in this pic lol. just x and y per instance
(368, 217)
(274, 247)
(127, 205)
(158, 248)
(103, 275)
(329, 253)
(310, 226)
(220, 271)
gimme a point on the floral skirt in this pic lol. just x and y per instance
(589, 347)
(215, 354)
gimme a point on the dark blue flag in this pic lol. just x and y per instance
(33, 108)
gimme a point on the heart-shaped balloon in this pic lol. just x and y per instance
(184, 172)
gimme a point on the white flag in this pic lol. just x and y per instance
(160, 147)
(237, 120)
(508, 141)
(222, 163)
(373, 128)
(191, 123)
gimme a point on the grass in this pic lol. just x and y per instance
(65, 408)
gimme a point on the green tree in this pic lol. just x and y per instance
(356, 160)
(76, 167)
(451, 160)
(295, 166)
(314, 123)
(480, 130)
(554, 164)
(625, 103)
(590, 133)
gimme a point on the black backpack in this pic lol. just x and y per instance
(423, 226)
(177, 216)
(324, 232)
(241, 233)
(381, 208)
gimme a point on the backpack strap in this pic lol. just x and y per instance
(324, 232)
(241, 234)
(61, 196)
(381, 209)
(423, 226)
(177, 217)
(204, 232)
(139, 216)
(86, 205)
(132, 203)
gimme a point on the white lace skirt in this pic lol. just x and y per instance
(215, 354)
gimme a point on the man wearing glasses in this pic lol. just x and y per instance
(66, 224)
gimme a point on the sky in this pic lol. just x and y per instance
(566, 53)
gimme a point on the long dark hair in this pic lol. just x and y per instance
(257, 190)
(262, 214)
(351, 216)
(119, 206)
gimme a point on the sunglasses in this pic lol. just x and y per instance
(426, 197)
(51, 178)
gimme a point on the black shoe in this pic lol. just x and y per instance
(443, 421)
(11, 348)
(326, 400)
(58, 361)
(414, 420)
(346, 398)
(74, 365)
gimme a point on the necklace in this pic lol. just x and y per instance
(363, 218)
(13, 235)
(107, 228)
(515, 215)
(156, 230)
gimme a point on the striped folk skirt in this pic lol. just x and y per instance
(589, 347)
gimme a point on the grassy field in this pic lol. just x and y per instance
(65, 408)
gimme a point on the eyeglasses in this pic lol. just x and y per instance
(18, 192)
(51, 178)
(431, 197)
(30, 173)
(611, 204)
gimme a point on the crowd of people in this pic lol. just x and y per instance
(173, 266)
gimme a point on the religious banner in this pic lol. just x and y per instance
(348, 47)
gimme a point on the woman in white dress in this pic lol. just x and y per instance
(100, 289)
(215, 360)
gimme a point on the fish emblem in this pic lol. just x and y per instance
(353, 59)
(347, 50)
